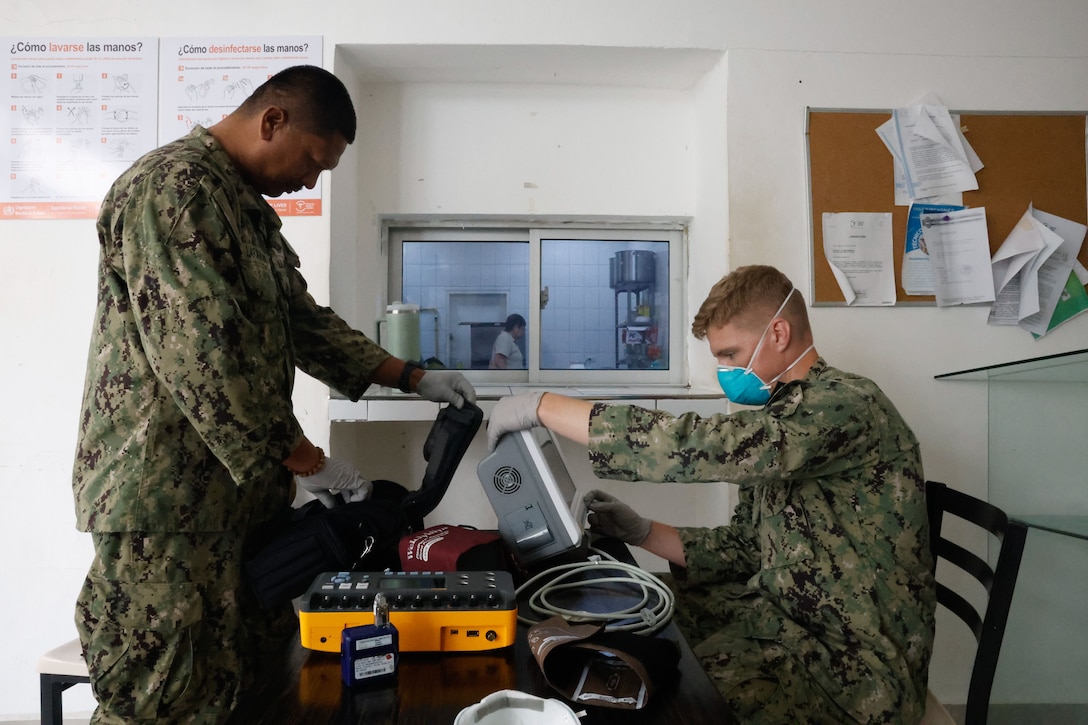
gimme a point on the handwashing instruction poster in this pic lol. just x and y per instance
(77, 113)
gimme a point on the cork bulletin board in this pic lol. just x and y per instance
(1029, 158)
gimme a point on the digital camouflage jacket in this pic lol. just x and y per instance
(202, 318)
(830, 534)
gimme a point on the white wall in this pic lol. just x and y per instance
(783, 55)
(470, 147)
(902, 349)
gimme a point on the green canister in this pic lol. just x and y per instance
(402, 330)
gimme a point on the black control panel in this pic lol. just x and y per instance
(412, 591)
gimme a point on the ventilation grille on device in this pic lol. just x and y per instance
(507, 479)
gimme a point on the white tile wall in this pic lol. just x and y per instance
(578, 326)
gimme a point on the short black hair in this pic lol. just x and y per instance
(514, 320)
(313, 97)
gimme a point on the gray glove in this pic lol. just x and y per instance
(336, 477)
(512, 413)
(444, 386)
(611, 517)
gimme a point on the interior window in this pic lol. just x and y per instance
(540, 304)
(605, 307)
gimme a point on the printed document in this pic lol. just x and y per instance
(858, 246)
(1016, 289)
(77, 113)
(1053, 274)
(1081, 271)
(930, 151)
(960, 249)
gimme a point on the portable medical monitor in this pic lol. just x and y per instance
(540, 512)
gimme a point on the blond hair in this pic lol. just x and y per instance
(748, 296)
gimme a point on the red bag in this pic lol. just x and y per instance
(451, 548)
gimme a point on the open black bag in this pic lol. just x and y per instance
(287, 554)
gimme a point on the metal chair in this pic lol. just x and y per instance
(987, 624)
(60, 668)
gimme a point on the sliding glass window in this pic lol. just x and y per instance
(537, 304)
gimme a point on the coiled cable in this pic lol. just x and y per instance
(651, 612)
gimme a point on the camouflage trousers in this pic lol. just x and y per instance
(762, 682)
(169, 631)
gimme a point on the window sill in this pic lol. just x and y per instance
(388, 404)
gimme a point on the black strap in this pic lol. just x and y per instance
(406, 375)
(450, 436)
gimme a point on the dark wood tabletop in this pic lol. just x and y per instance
(431, 688)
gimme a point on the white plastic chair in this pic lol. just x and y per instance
(60, 668)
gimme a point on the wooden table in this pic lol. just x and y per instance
(432, 688)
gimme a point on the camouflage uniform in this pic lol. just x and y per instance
(202, 318)
(816, 604)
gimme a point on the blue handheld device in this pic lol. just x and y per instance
(369, 653)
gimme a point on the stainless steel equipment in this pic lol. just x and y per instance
(631, 270)
(632, 273)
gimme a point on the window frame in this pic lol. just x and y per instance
(398, 229)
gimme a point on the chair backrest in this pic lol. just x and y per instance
(999, 581)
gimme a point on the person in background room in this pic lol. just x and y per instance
(188, 440)
(505, 353)
(815, 604)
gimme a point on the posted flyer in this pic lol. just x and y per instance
(203, 79)
(77, 112)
